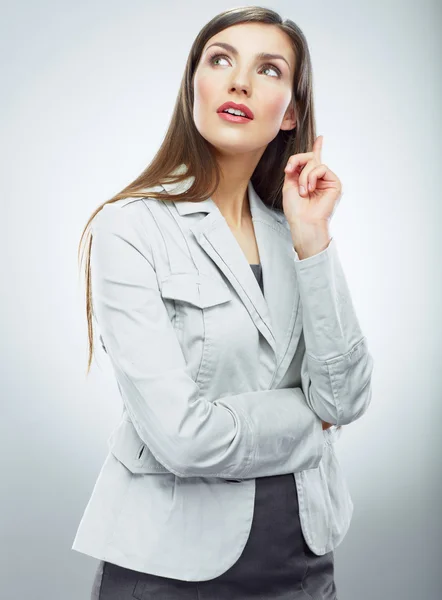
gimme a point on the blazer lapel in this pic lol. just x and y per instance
(273, 313)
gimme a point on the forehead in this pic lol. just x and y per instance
(256, 37)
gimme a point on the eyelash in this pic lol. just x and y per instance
(218, 55)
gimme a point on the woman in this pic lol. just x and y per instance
(224, 311)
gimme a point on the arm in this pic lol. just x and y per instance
(250, 434)
(337, 366)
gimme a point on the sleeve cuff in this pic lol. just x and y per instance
(313, 259)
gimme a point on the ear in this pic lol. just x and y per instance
(289, 120)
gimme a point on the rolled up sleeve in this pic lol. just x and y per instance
(337, 366)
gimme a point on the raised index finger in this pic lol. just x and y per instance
(317, 147)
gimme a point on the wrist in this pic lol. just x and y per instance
(309, 238)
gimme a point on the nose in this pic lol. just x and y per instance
(241, 87)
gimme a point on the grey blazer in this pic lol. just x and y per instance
(220, 384)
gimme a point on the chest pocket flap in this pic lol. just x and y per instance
(195, 288)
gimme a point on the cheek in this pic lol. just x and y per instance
(275, 107)
(203, 91)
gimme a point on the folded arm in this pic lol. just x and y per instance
(250, 434)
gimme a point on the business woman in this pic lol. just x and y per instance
(224, 311)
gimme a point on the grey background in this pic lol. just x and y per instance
(87, 92)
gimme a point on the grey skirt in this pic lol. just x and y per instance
(276, 563)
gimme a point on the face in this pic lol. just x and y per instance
(238, 75)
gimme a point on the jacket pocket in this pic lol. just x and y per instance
(127, 447)
(326, 506)
(198, 289)
(198, 307)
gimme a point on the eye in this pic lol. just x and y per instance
(265, 67)
(274, 68)
(215, 57)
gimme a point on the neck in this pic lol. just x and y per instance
(231, 195)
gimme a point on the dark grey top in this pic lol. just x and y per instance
(257, 270)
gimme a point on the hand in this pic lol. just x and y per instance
(323, 189)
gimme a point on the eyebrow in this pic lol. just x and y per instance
(259, 56)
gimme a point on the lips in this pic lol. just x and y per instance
(245, 109)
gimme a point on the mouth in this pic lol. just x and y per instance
(234, 118)
(238, 110)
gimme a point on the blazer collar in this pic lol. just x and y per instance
(257, 206)
(275, 312)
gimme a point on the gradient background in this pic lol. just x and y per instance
(88, 90)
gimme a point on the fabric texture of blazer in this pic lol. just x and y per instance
(219, 382)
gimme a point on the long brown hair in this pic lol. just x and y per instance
(183, 144)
